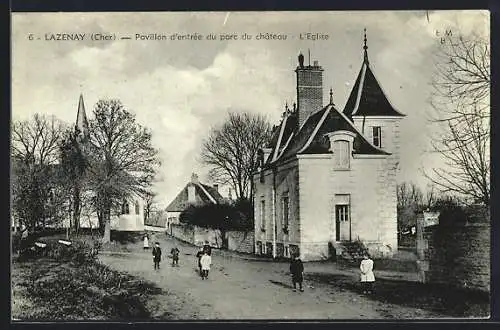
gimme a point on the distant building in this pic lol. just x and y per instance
(194, 193)
(329, 176)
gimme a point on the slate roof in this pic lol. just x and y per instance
(180, 202)
(283, 132)
(311, 138)
(367, 97)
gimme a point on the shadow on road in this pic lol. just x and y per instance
(284, 285)
(434, 298)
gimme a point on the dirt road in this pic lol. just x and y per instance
(243, 289)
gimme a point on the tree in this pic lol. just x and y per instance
(74, 166)
(122, 160)
(231, 150)
(410, 200)
(149, 204)
(462, 112)
(34, 152)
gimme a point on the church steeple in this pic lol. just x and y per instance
(82, 125)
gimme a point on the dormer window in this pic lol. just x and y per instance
(341, 146)
(377, 136)
(341, 154)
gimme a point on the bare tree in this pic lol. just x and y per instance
(231, 150)
(123, 161)
(410, 200)
(34, 151)
(462, 112)
(149, 205)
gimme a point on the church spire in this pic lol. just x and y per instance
(365, 47)
(82, 125)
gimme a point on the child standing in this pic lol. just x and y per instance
(156, 255)
(146, 242)
(297, 271)
(206, 261)
(175, 256)
(367, 276)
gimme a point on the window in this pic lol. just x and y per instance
(285, 213)
(263, 215)
(341, 154)
(125, 208)
(377, 136)
(136, 207)
(287, 252)
(342, 212)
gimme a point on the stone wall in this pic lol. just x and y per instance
(202, 235)
(456, 255)
(182, 232)
(240, 241)
(196, 235)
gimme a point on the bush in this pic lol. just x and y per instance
(218, 216)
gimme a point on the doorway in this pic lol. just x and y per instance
(342, 218)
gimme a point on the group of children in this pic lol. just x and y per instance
(203, 255)
(296, 266)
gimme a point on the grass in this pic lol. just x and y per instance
(65, 283)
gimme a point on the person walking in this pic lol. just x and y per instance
(199, 255)
(206, 261)
(175, 256)
(297, 271)
(156, 255)
(146, 242)
(367, 276)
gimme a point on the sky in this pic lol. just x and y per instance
(180, 89)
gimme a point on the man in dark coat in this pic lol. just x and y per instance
(199, 255)
(156, 255)
(297, 271)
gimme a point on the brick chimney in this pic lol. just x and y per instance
(216, 187)
(309, 89)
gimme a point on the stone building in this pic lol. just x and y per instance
(193, 193)
(329, 176)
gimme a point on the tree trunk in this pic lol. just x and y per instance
(76, 208)
(107, 222)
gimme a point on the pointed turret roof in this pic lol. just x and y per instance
(82, 124)
(367, 97)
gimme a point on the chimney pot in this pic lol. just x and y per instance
(316, 63)
(194, 178)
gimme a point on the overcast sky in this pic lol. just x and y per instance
(180, 88)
